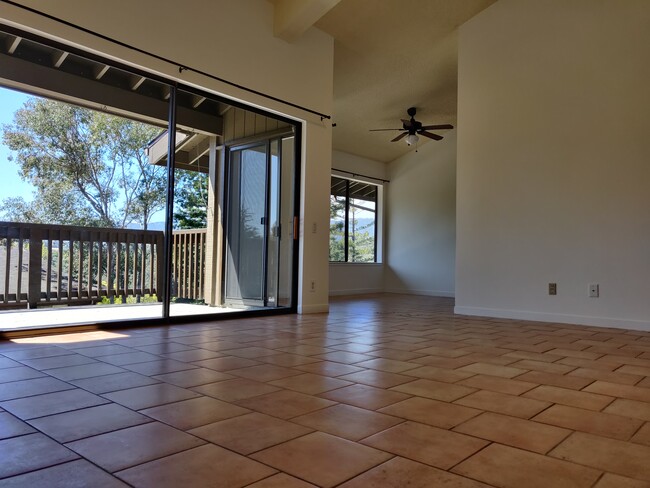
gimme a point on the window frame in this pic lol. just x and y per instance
(378, 219)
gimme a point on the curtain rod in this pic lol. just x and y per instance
(359, 174)
(181, 67)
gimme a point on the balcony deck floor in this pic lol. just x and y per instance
(92, 314)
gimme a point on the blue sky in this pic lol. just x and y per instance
(11, 185)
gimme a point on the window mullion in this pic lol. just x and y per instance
(347, 220)
(374, 257)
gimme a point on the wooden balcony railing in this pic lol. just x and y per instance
(67, 265)
(188, 263)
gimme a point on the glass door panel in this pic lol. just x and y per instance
(259, 240)
(247, 226)
(81, 236)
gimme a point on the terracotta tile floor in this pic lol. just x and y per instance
(384, 391)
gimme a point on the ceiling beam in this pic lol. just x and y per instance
(138, 81)
(292, 18)
(197, 152)
(193, 159)
(58, 58)
(188, 159)
(201, 168)
(100, 71)
(197, 100)
(57, 84)
(12, 44)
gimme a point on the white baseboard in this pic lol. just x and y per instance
(317, 308)
(554, 317)
(356, 291)
(429, 293)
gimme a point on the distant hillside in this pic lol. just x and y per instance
(151, 226)
(363, 224)
(366, 224)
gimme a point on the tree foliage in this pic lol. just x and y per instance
(87, 167)
(361, 239)
(337, 229)
(190, 200)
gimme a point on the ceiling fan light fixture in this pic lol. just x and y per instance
(412, 139)
(411, 128)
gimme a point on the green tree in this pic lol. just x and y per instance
(191, 200)
(143, 185)
(87, 167)
(337, 228)
(361, 238)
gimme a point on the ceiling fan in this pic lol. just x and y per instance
(413, 127)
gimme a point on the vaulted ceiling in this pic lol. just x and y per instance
(389, 55)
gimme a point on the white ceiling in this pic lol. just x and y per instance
(390, 55)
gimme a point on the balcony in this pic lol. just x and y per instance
(63, 274)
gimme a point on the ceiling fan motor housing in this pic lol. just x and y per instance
(412, 126)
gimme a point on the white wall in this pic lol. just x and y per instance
(356, 279)
(315, 213)
(232, 40)
(359, 166)
(351, 278)
(554, 161)
(421, 203)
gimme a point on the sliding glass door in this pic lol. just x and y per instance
(259, 225)
(181, 203)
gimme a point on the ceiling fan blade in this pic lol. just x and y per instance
(375, 130)
(430, 135)
(442, 126)
(401, 136)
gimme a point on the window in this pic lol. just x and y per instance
(353, 221)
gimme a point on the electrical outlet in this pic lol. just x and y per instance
(594, 290)
(313, 286)
(552, 288)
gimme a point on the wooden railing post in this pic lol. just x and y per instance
(35, 267)
(160, 243)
